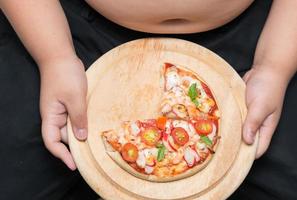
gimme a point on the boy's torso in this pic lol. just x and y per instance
(170, 16)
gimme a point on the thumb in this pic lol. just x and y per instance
(77, 111)
(254, 120)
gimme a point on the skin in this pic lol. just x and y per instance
(186, 16)
(43, 29)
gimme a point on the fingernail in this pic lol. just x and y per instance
(251, 136)
(81, 134)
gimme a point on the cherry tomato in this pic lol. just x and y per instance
(150, 136)
(129, 152)
(180, 136)
(203, 127)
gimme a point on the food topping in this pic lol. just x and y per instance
(203, 127)
(135, 130)
(180, 111)
(189, 156)
(193, 94)
(148, 169)
(206, 140)
(180, 136)
(150, 136)
(161, 152)
(129, 152)
(161, 122)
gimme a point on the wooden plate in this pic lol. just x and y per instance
(123, 85)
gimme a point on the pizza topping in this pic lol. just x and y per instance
(166, 108)
(200, 146)
(193, 94)
(196, 155)
(203, 127)
(141, 161)
(161, 122)
(180, 111)
(180, 136)
(204, 106)
(148, 123)
(189, 156)
(150, 161)
(148, 169)
(129, 152)
(178, 92)
(206, 140)
(150, 136)
(172, 144)
(178, 156)
(135, 130)
(193, 91)
(161, 152)
(172, 78)
(213, 133)
(167, 145)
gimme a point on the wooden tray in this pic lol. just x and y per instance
(122, 87)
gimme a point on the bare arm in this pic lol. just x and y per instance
(275, 63)
(42, 27)
(277, 47)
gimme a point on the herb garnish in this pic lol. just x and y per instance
(206, 140)
(193, 94)
(161, 152)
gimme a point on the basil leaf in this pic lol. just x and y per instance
(161, 153)
(206, 140)
(193, 92)
(159, 145)
(195, 101)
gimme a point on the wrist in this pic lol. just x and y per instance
(272, 72)
(59, 64)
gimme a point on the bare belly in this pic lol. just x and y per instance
(170, 16)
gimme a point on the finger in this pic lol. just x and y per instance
(77, 110)
(52, 140)
(254, 119)
(64, 134)
(266, 132)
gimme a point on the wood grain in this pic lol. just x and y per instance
(117, 81)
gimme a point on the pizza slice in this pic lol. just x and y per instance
(185, 95)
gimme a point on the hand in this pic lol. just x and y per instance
(264, 97)
(63, 93)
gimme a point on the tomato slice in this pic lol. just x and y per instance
(203, 127)
(129, 152)
(161, 122)
(180, 136)
(150, 136)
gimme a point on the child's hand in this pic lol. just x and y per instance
(63, 93)
(264, 97)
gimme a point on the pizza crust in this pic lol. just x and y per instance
(117, 158)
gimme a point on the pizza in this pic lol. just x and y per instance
(178, 143)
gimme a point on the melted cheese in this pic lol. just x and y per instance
(172, 80)
(141, 159)
(134, 129)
